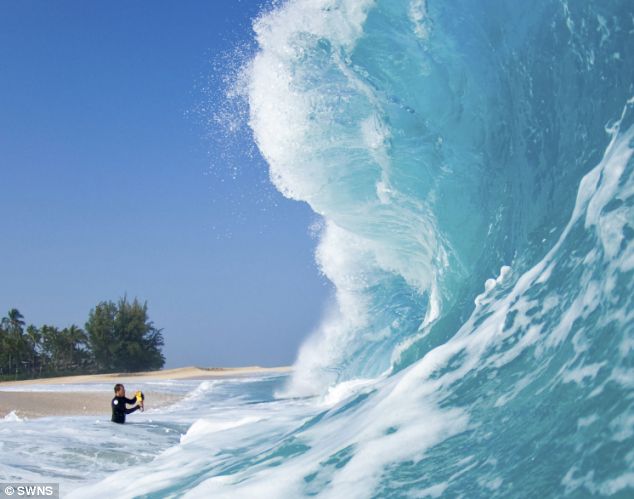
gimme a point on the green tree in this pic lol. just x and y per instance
(100, 329)
(15, 319)
(75, 343)
(13, 340)
(34, 341)
(52, 347)
(122, 338)
(4, 348)
(64, 350)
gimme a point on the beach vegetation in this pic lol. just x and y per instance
(122, 338)
(117, 337)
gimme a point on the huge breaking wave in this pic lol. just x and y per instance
(442, 142)
(439, 143)
(448, 147)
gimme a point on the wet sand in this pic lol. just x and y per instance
(40, 404)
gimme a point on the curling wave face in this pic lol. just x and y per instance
(439, 143)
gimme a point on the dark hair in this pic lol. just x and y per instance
(117, 387)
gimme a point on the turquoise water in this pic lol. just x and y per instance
(471, 163)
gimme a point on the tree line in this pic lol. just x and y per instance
(117, 337)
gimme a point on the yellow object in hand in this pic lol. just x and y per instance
(139, 398)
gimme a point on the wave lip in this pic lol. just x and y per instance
(324, 130)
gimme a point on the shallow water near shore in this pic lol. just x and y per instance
(79, 450)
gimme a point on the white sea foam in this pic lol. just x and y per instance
(204, 428)
(347, 389)
(12, 417)
(418, 16)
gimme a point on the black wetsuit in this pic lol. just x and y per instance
(119, 409)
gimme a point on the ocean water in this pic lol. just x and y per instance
(471, 163)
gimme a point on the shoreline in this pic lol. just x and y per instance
(33, 404)
(191, 372)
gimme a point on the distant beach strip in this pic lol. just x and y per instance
(43, 397)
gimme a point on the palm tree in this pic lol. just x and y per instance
(15, 318)
(4, 347)
(51, 348)
(34, 339)
(75, 340)
(13, 325)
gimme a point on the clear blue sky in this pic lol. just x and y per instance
(116, 180)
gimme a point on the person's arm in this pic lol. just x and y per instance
(131, 401)
(132, 409)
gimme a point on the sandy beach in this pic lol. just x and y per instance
(41, 404)
(33, 404)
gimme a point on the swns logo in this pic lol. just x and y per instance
(30, 490)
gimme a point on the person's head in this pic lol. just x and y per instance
(119, 390)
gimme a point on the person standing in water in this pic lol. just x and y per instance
(118, 403)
